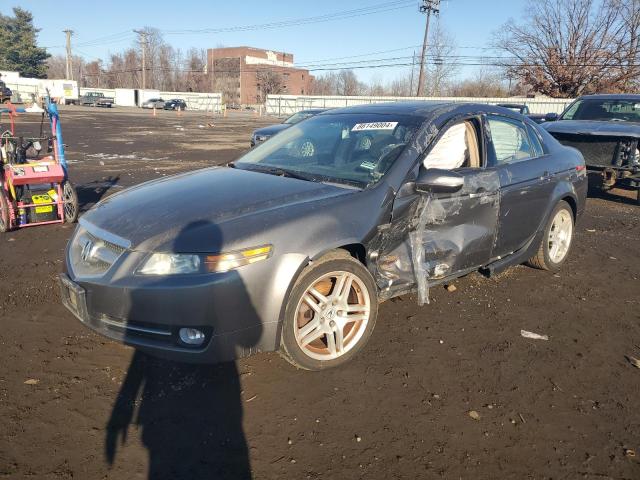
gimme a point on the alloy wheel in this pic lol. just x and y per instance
(332, 315)
(560, 236)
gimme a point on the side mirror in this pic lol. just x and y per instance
(551, 117)
(435, 180)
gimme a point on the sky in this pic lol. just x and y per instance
(396, 30)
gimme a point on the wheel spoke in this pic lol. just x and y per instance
(354, 318)
(357, 308)
(310, 301)
(310, 332)
(331, 343)
(343, 287)
(339, 339)
(318, 295)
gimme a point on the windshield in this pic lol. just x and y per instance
(298, 117)
(352, 149)
(604, 110)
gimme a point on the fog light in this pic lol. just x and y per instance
(192, 336)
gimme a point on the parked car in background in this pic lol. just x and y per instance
(264, 134)
(516, 107)
(175, 104)
(96, 99)
(293, 246)
(606, 129)
(153, 103)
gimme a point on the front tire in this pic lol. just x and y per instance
(557, 239)
(330, 314)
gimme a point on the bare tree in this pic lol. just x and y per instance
(483, 83)
(348, 83)
(441, 67)
(269, 82)
(572, 47)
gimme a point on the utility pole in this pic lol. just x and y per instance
(143, 44)
(413, 71)
(429, 7)
(69, 75)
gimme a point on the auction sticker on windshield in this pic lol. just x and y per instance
(361, 127)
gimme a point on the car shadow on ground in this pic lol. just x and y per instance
(626, 196)
(92, 192)
(188, 417)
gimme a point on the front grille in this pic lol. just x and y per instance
(598, 151)
(90, 255)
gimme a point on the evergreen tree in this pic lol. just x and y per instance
(18, 48)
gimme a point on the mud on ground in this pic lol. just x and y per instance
(75, 405)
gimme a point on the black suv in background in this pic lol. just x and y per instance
(175, 104)
(606, 129)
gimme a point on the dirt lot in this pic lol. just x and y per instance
(75, 405)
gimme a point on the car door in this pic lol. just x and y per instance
(525, 182)
(436, 236)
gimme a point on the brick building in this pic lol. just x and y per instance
(245, 75)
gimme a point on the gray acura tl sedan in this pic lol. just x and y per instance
(292, 248)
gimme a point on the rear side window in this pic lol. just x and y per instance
(510, 140)
(536, 143)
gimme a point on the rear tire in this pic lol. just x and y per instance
(330, 313)
(557, 239)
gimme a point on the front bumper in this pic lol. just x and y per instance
(149, 316)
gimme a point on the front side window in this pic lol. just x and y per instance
(355, 149)
(510, 140)
(458, 147)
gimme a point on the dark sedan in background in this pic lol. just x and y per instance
(264, 134)
(606, 129)
(293, 246)
(175, 104)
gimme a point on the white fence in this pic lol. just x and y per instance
(27, 90)
(210, 102)
(281, 105)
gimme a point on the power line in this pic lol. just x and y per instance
(341, 15)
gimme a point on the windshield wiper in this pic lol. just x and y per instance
(281, 172)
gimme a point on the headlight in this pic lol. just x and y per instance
(181, 264)
(171, 264)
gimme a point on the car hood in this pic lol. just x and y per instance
(183, 212)
(587, 127)
(272, 129)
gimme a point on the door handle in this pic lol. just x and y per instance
(481, 192)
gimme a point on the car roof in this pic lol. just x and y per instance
(421, 109)
(314, 110)
(511, 105)
(612, 96)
